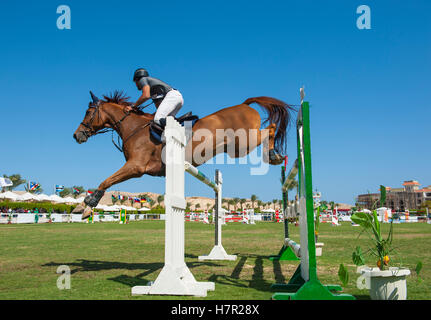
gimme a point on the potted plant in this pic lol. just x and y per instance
(319, 245)
(384, 282)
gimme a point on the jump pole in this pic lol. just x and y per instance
(304, 284)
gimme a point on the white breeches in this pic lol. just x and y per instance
(170, 105)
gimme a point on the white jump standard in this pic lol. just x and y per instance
(217, 252)
(175, 277)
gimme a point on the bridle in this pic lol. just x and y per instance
(91, 131)
(115, 127)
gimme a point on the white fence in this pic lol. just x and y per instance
(15, 218)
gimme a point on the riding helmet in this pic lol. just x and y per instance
(140, 73)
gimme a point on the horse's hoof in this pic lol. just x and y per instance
(90, 201)
(93, 199)
(86, 214)
(275, 158)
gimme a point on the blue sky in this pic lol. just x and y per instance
(369, 89)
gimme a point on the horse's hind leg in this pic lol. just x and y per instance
(274, 158)
(256, 137)
(266, 137)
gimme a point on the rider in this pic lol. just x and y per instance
(167, 100)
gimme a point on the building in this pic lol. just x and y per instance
(409, 197)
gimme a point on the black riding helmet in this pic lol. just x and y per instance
(140, 73)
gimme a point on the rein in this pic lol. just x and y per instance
(116, 125)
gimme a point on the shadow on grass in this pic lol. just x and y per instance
(82, 265)
(257, 281)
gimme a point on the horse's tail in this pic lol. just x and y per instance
(279, 113)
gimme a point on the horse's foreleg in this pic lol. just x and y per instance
(132, 169)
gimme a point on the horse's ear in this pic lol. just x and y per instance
(95, 99)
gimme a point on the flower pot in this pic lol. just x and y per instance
(363, 281)
(387, 284)
(319, 247)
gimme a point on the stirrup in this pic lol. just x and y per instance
(156, 130)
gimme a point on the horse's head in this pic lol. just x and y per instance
(95, 120)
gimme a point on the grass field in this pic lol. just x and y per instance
(107, 259)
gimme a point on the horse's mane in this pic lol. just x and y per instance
(118, 97)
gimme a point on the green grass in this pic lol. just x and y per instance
(107, 259)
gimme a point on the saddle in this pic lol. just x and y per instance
(156, 130)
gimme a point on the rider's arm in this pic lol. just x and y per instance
(144, 97)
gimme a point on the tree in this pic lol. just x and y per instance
(76, 194)
(242, 201)
(16, 181)
(160, 199)
(274, 202)
(150, 202)
(65, 192)
(236, 201)
(253, 199)
(259, 204)
(231, 202)
(225, 201)
(197, 206)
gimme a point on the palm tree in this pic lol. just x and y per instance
(259, 204)
(332, 203)
(274, 201)
(225, 201)
(188, 206)
(16, 181)
(236, 200)
(150, 202)
(160, 199)
(280, 204)
(253, 199)
(231, 202)
(65, 192)
(197, 205)
(242, 201)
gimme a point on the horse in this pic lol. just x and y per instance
(143, 153)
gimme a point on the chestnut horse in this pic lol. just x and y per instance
(144, 154)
